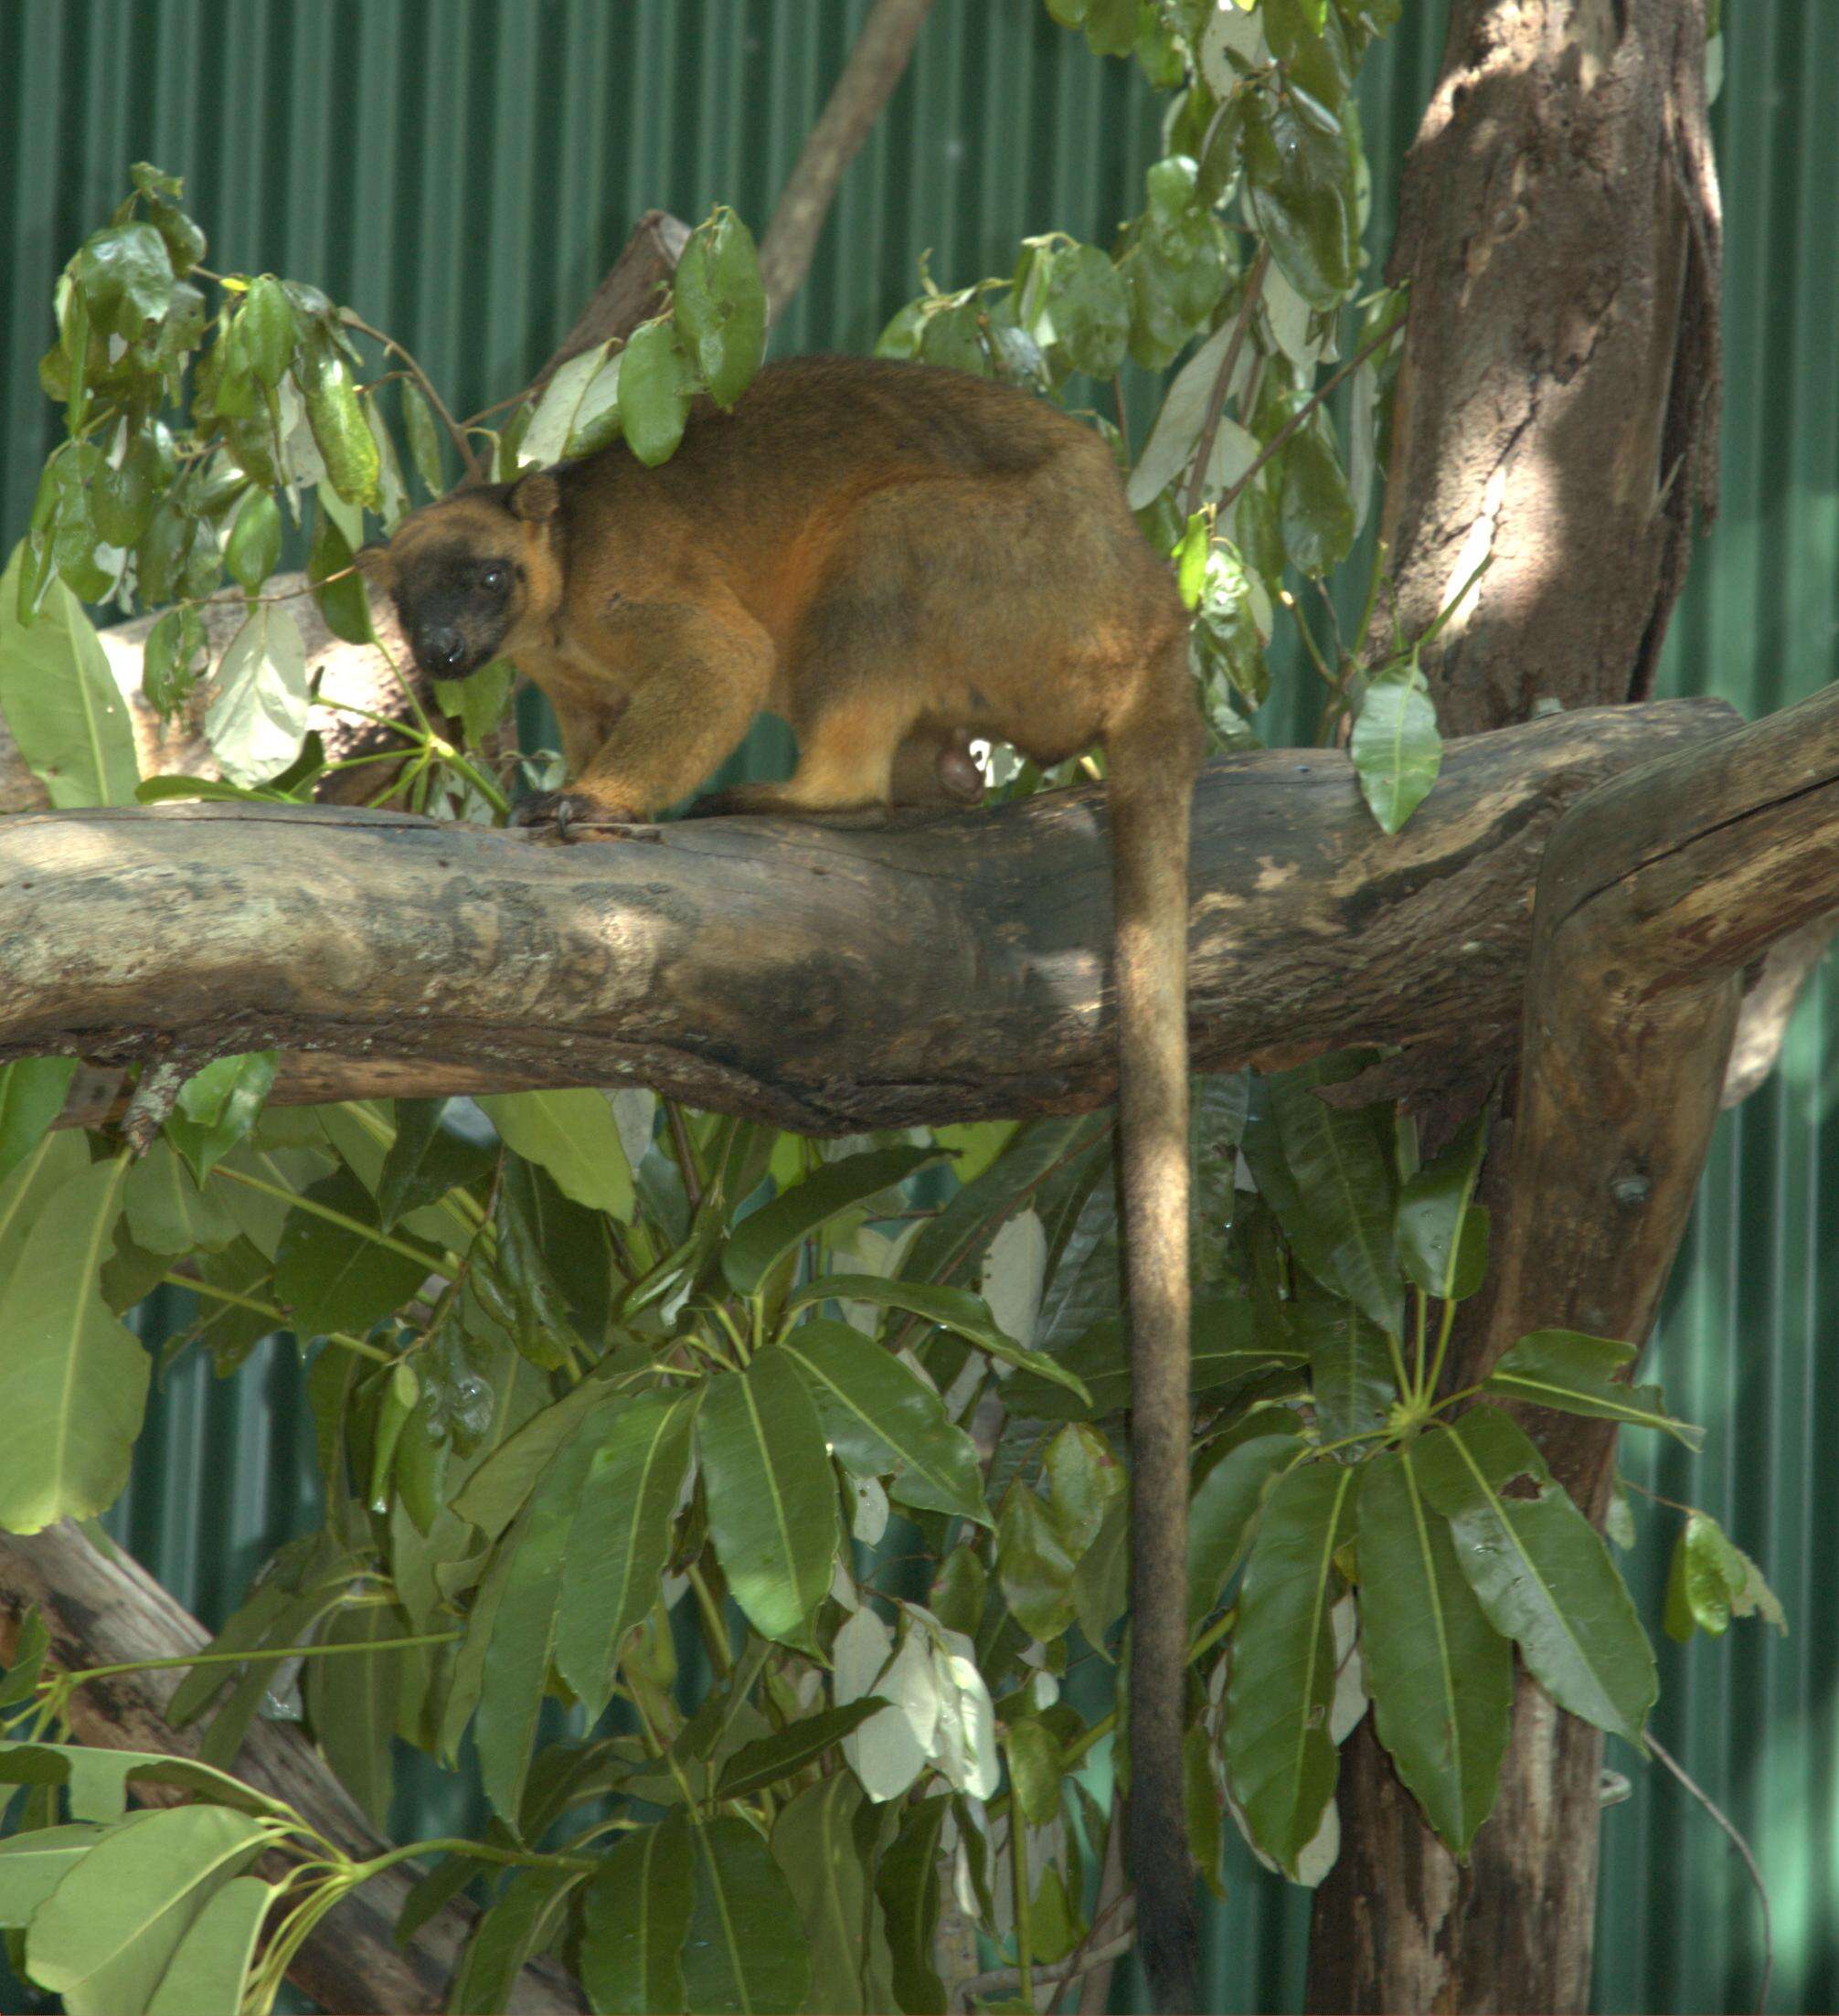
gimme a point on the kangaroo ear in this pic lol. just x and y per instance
(535, 496)
(372, 560)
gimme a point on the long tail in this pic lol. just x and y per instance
(1151, 781)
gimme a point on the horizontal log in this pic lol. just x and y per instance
(828, 978)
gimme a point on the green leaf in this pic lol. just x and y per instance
(721, 305)
(572, 1135)
(771, 1493)
(1279, 1752)
(335, 414)
(1226, 1502)
(1577, 1374)
(254, 542)
(1433, 1208)
(1090, 309)
(558, 412)
(169, 672)
(494, 1494)
(1712, 1580)
(762, 1240)
(1035, 1771)
(951, 1308)
(1301, 183)
(341, 1276)
(31, 1641)
(1035, 1153)
(768, 1760)
(105, 1936)
(523, 1627)
(351, 1699)
(745, 1951)
(634, 1913)
(424, 438)
(340, 594)
(267, 323)
(73, 1381)
(621, 1538)
(815, 1844)
(214, 1958)
(1541, 1570)
(1318, 531)
(1343, 1167)
(906, 1881)
(99, 1780)
(654, 391)
(32, 1095)
(1350, 1366)
(61, 700)
(521, 1921)
(426, 1161)
(257, 718)
(478, 701)
(126, 275)
(166, 1211)
(881, 1417)
(1396, 748)
(1440, 1676)
(218, 1107)
(1035, 1564)
(32, 1866)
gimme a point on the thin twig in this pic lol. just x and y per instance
(1222, 385)
(426, 385)
(1007, 1980)
(1308, 407)
(1742, 1848)
(874, 68)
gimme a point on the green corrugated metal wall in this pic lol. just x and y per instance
(460, 171)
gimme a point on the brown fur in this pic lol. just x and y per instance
(894, 557)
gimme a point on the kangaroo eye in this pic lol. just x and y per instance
(492, 578)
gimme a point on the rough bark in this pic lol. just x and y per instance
(1557, 396)
(826, 978)
(1556, 417)
(102, 1608)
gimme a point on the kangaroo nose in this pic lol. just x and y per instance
(442, 648)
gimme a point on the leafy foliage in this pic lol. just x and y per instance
(609, 1397)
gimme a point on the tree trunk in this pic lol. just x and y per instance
(1557, 419)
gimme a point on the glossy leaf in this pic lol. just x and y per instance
(1350, 1366)
(1711, 1580)
(636, 1913)
(1396, 747)
(1577, 1375)
(1342, 1167)
(881, 1417)
(73, 1381)
(764, 1237)
(745, 1950)
(721, 305)
(340, 430)
(1090, 309)
(1278, 1751)
(1226, 1502)
(771, 1497)
(1300, 183)
(254, 542)
(620, 1540)
(61, 701)
(1432, 1208)
(1440, 1676)
(1541, 1570)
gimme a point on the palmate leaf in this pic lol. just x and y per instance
(771, 1493)
(1541, 1570)
(880, 1415)
(636, 1913)
(1577, 1374)
(620, 1540)
(1280, 1756)
(1440, 1676)
(950, 1308)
